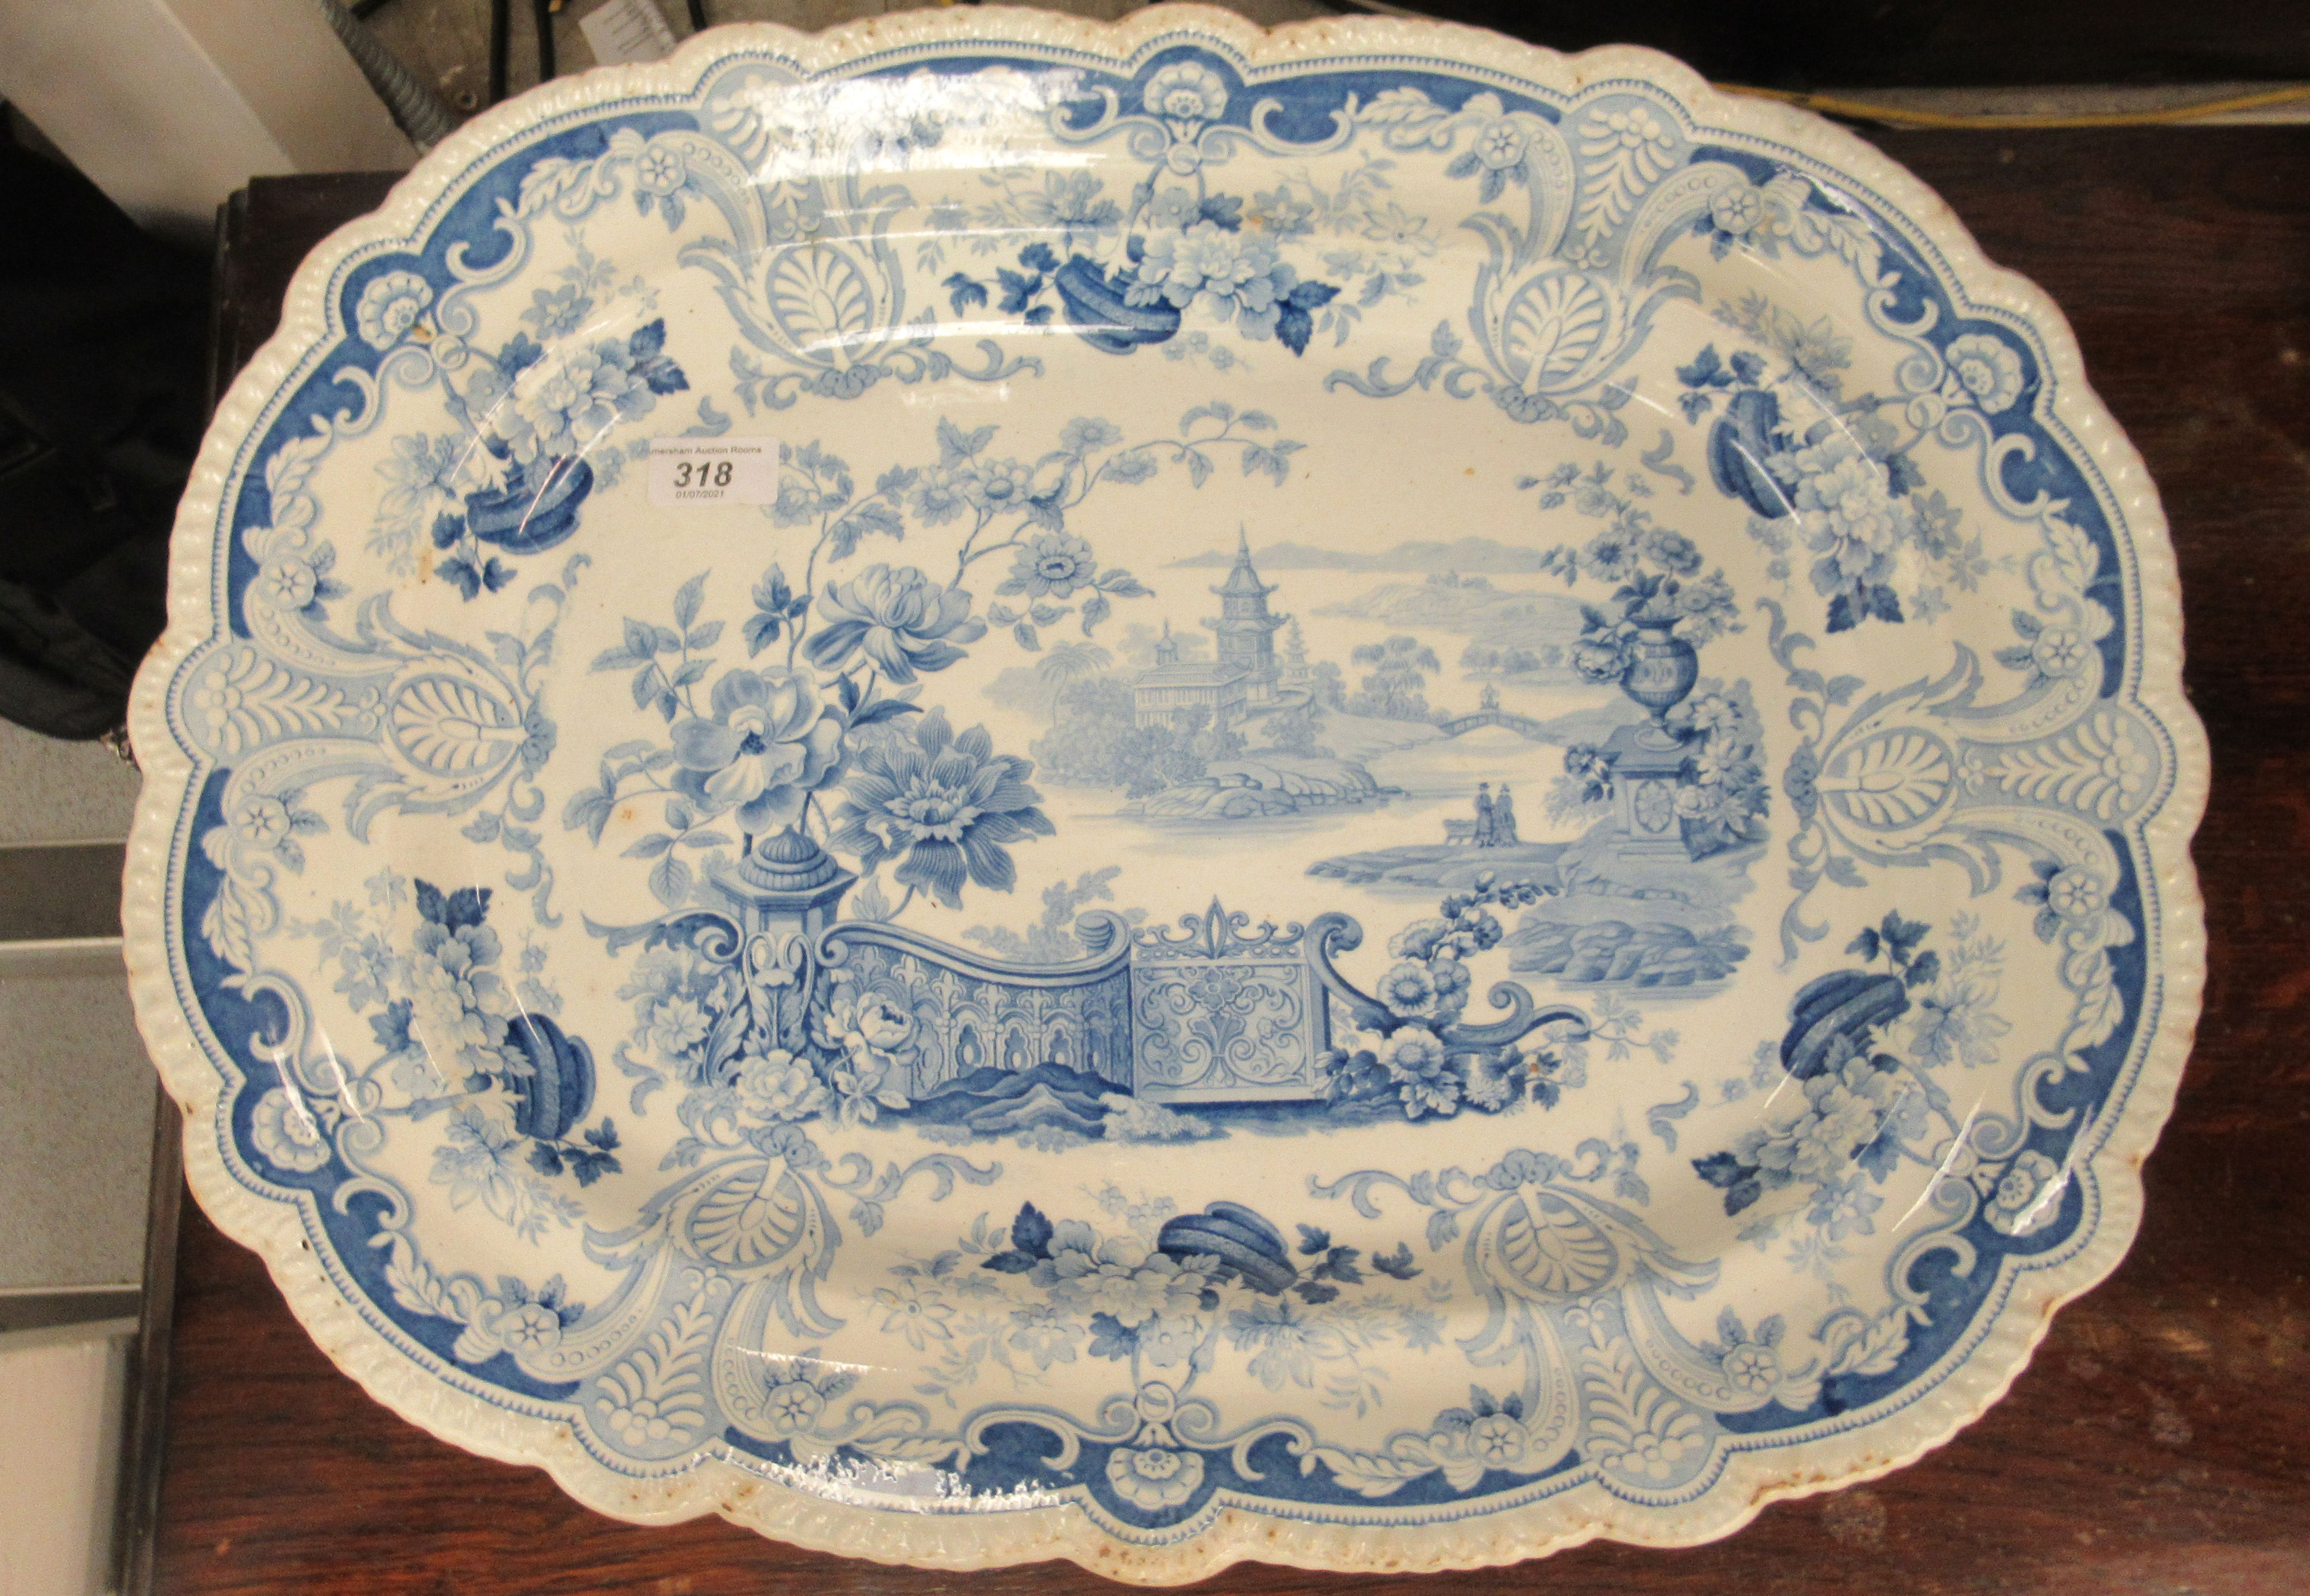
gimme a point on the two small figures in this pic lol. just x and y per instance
(1494, 825)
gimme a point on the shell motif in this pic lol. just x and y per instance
(821, 299)
(1555, 329)
(746, 1216)
(1890, 780)
(449, 727)
(1544, 1249)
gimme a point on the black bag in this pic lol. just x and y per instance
(102, 396)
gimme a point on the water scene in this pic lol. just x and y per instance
(1428, 717)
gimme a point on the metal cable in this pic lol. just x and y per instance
(501, 27)
(415, 109)
(542, 14)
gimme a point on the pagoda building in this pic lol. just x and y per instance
(1244, 628)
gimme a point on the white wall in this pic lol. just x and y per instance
(170, 105)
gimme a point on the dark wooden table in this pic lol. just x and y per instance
(2159, 1443)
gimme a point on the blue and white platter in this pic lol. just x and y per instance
(993, 788)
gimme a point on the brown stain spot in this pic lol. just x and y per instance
(627, 814)
(1854, 1518)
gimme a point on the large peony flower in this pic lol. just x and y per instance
(942, 804)
(1599, 661)
(901, 620)
(1845, 503)
(573, 401)
(1207, 263)
(541, 406)
(1847, 1107)
(776, 1086)
(1119, 1276)
(459, 1003)
(867, 1025)
(771, 745)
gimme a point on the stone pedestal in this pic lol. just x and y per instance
(787, 889)
(1645, 783)
(789, 884)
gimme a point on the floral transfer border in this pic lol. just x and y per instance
(1970, 1377)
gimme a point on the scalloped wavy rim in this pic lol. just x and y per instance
(1971, 1376)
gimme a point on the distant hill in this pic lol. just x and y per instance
(1507, 617)
(1471, 555)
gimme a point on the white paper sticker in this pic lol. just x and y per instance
(693, 471)
(625, 31)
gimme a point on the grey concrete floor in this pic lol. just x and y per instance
(76, 1090)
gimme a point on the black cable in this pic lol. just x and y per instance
(697, 16)
(501, 26)
(543, 11)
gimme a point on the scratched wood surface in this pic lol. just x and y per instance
(2159, 1440)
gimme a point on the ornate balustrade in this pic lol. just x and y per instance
(1209, 1010)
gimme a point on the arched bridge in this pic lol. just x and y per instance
(1522, 725)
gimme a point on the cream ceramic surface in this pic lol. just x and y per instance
(993, 788)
